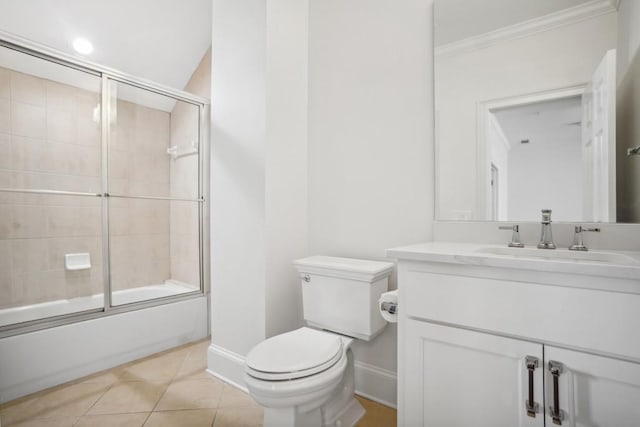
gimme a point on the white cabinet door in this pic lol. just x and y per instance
(459, 378)
(593, 391)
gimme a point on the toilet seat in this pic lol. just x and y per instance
(293, 355)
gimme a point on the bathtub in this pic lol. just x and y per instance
(37, 360)
(43, 310)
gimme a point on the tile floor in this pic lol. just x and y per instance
(170, 388)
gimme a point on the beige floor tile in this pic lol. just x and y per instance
(191, 394)
(113, 420)
(194, 366)
(128, 397)
(105, 377)
(377, 415)
(18, 410)
(190, 418)
(71, 400)
(244, 416)
(232, 397)
(45, 422)
(159, 368)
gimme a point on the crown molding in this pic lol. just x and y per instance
(561, 18)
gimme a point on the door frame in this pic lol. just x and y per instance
(483, 115)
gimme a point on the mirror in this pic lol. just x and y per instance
(537, 106)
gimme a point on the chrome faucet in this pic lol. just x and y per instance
(515, 236)
(546, 238)
(578, 244)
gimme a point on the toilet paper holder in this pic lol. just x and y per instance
(390, 307)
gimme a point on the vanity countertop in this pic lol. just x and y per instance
(618, 264)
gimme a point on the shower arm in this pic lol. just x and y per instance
(633, 151)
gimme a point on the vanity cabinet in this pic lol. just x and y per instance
(484, 343)
(461, 378)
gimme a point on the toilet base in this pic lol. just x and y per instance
(288, 417)
(352, 413)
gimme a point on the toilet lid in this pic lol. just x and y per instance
(294, 354)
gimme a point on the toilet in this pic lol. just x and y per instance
(305, 378)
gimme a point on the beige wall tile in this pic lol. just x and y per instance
(119, 164)
(27, 222)
(6, 273)
(5, 84)
(28, 89)
(28, 255)
(61, 96)
(89, 132)
(39, 286)
(5, 115)
(67, 221)
(28, 120)
(6, 226)
(5, 151)
(86, 102)
(84, 283)
(58, 247)
(61, 125)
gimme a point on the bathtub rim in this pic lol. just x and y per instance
(96, 313)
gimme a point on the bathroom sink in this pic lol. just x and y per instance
(562, 255)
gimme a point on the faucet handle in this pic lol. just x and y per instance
(546, 216)
(578, 244)
(515, 236)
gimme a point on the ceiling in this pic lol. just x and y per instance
(460, 19)
(160, 40)
(542, 123)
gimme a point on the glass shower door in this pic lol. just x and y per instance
(50, 189)
(154, 203)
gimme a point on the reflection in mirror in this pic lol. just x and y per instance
(535, 103)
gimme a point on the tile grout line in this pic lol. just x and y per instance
(169, 384)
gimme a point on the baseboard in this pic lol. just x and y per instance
(372, 382)
(226, 365)
(377, 384)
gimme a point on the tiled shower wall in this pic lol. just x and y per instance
(49, 140)
(139, 166)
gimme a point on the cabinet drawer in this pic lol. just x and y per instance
(582, 318)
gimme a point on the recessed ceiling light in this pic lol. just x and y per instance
(82, 46)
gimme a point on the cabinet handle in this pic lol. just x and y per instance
(530, 405)
(555, 368)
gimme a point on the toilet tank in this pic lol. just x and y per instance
(341, 294)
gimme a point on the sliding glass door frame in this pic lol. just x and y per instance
(109, 76)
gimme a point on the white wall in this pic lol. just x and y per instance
(238, 174)
(370, 134)
(286, 159)
(258, 174)
(556, 58)
(556, 180)
(322, 143)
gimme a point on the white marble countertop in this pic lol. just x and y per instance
(605, 263)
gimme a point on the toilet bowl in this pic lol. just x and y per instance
(315, 390)
(305, 378)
